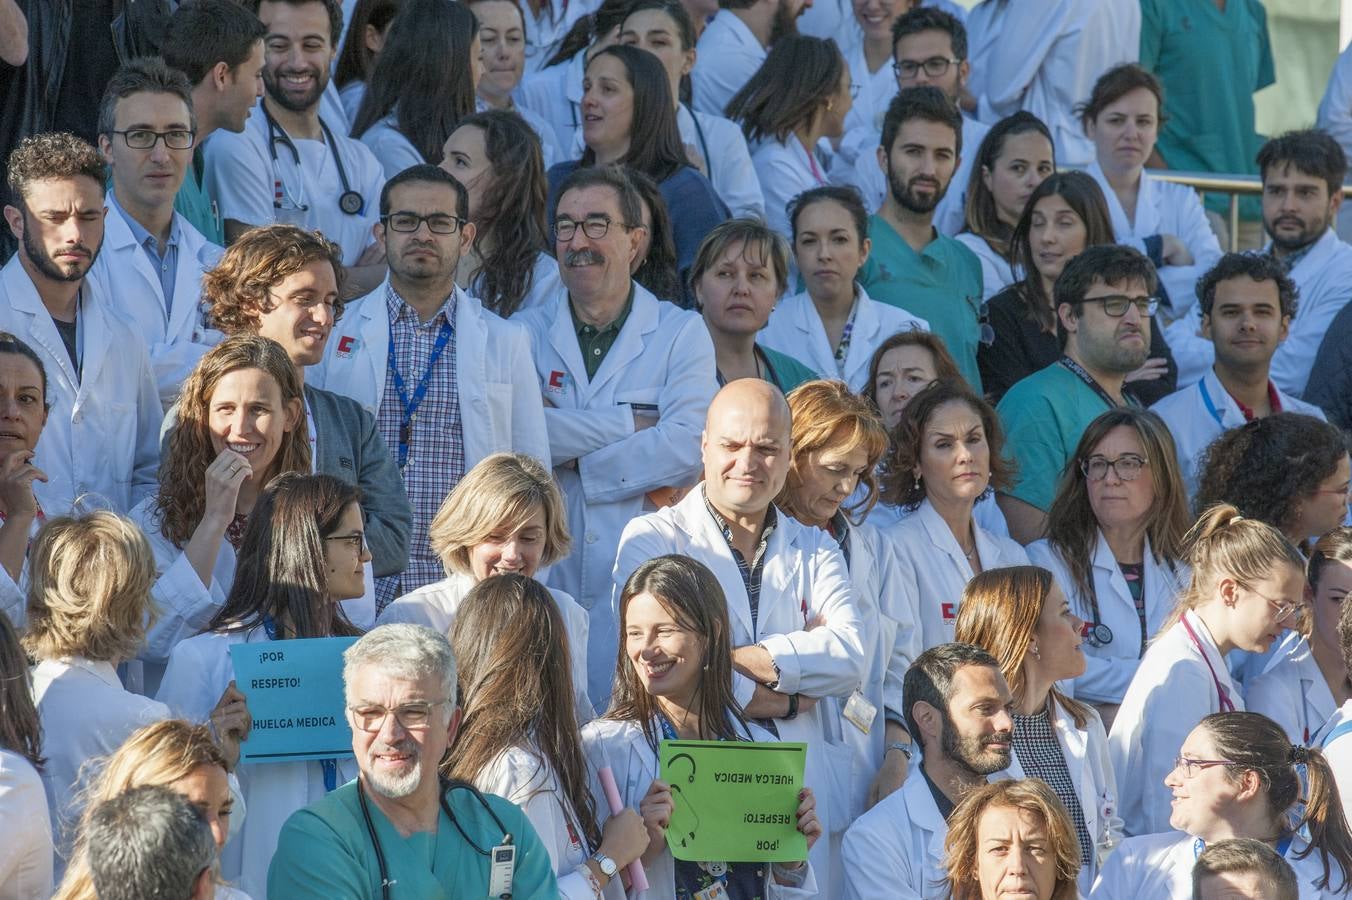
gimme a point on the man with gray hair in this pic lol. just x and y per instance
(399, 823)
(151, 842)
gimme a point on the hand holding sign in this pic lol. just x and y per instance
(230, 723)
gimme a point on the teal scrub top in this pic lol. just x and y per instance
(194, 204)
(325, 853)
(941, 286)
(789, 372)
(1211, 63)
(1044, 416)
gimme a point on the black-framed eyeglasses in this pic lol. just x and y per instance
(437, 223)
(1191, 767)
(370, 717)
(1127, 466)
(144, 138)
(356, 540)
(1116, 305)
(594, 227)
(935, 66)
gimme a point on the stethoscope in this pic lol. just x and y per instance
(446, 786)
(1099, 634)
(349, 201)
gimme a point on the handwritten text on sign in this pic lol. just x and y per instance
(295, 695)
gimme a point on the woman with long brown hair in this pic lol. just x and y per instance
(519, 737)
(26, 851)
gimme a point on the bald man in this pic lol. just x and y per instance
(781, 579)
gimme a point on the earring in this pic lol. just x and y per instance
(1036, 653)
(916, 486)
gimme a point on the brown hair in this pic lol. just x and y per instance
(53, 156)
(770, 248)
(182, 495)
(20, 726)
(1030, 795)
(945, 368)
(89, 588)
(999, 613)
(1246, 855)
(826, 415)
(1072, 529)
(1115, 84)
(240, 286)
(983, 218)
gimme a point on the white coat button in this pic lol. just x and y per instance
(591, 538)
(75, 419)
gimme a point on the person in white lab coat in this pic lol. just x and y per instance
(277, 594)
(23, 410)
(102, 430)
(798, 631)
(947, 452)
(800, 95)
(153, 258)
(1247, 585)
(664, 29)
(958, 707)
(422, 84)
(505, 516)
(627, 381)
(1237, 775)
(1302, 173)
(497, 157)
(734, 45)
(1019, 616)
(26, 856)
(1304, 686)
(553, 25)
(674, 680)
(833, 326)
(1246, 302)
(503, 39)
(519, 737)
(88, 606)
(1115, 546)
(1014, 157)
(368, 21)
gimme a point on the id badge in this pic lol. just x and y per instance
(504, 867)
(715, 891)
(859, 712)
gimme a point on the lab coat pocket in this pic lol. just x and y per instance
(495, 406)
(639, 397)
(833, 794)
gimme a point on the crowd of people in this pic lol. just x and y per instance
(615, 373)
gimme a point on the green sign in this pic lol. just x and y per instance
(734, 801)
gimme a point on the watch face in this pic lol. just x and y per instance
(607, 865)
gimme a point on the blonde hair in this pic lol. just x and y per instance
(826, 415)
(502, 491)
(1027, 795)
(158, 755)
(89, 588)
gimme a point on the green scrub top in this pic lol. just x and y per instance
(1044, 416)
(194, 204)
(789, 372)
(325, 852)
(941, 286)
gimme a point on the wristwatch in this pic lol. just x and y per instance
(605, 863)
(906, 749)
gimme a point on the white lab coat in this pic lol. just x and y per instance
(803, 580)
(26, 852)
(728, 161)
(728, 55)
(1324, 283)
(935, 571)
(1045, 58)
(1172, 690)
(1110, 668)
(103, 427)
(545, 284)
(199, 671)
(986, 512)
(435, 606)
(785, 169)
(1338, 752)
(796, 329)
(176, 334)
(662, 357)
(1200, 413)
(392, 150)
(996, 274)
(1335, 117)
(1294, 693)
(555, 95)
(622, 746)
(546, 30)
(500, 408)
(1163, 207)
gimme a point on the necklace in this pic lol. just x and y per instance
(970, 554)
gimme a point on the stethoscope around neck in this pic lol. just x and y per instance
(349, 201)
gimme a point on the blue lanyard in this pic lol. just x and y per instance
(411, 405)
(329, 766)
(1283, 846)
(1210, 406)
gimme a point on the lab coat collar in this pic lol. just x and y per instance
(103, 671)
(23, 297)
(195, 255)
(1314, 261)
(1212, 654)
(1147, 206)
(739, 30)
(867, 323)
(924, 812)
(942, 538)
(1231, 417)
(628, 345)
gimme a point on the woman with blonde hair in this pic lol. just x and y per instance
(1021, 617)
(173, 754)
(1011, 837)
(506, 516)
(1115, 545)
(88, 610)
(26, 852)
(1247, 587)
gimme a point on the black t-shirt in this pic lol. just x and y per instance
(67, 332)
(90, 61)
(940, 798)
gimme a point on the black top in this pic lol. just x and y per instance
(68, 337)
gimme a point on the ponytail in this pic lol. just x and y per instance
(589, 29)
(1329, 832)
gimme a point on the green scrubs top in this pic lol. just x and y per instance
(788, 372)
(325, 852)
(941, 286)
(194, 204)
(1044, 416)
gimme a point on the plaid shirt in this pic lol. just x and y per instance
(751, 572)
(436, 455)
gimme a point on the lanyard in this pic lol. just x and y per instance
(1226, 704)
(1282, 846)
(1079, 372)
(410, 405)
(812, 162)
(1207, 402)
(329, 766)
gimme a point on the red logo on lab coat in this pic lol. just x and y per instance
(345, 345)
(555, 384)
(949, 610)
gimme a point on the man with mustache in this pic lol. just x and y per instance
(448, 382)
(102, 431)
(958, 707)
(913, 266)
(290, 165)
(735, 44)
(1104, 300)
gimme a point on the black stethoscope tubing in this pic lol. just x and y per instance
(349, 201)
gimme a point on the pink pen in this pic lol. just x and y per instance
(638, 879)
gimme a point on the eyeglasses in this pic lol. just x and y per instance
(437, 223)
(1284, 610)
(1127, 466)
(144, 139)
(935, 66)
(1191, 767)
(356, 540)
(1116, 305)
(370, 717)
(594, 227)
